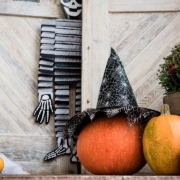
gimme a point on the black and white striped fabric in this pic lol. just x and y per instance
(59, 67)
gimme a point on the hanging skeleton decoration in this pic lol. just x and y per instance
(60, 65)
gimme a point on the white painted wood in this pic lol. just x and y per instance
(22, 139)
(139, 68)
(50, 1)
(142, 32)
(152, 32)
(15, 113)
(95, 49)
(120, 26)
(29, 151)
(21, 8)
(18, 40)
(143, 5)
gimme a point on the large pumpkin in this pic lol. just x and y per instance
(111, 146)
(161, 143)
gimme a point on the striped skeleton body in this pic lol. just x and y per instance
(59, 68)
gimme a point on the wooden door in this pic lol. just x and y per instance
(141, 31)
(21, 139)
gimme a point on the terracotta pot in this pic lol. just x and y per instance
(173, 100)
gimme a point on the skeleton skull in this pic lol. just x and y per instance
(72, 8)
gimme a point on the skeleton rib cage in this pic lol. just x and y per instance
(60, 66)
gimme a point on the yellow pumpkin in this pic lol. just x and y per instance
(1, 164)
(161, 143)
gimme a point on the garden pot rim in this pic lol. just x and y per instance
(173, 95)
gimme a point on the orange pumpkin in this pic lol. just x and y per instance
(111, 146)
(161, 143)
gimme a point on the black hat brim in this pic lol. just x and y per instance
(133, 114)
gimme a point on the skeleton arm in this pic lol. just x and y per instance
(45, 90)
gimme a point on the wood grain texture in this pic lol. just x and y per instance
(144, 52)
(22, 140)
(28, 151)
(95, 49)
(50, 1)
(143, 5)
(20, 8)
(142, 35)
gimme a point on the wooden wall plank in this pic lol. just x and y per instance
(35, 25)
(18, 69)
(29, 152)
(31, 38)
(41, 168)
(146, 38)
(146, 61)
(157, 103)
(18, 54)
(3, 129)
(149, 99)
(17, 83)
(9, 122)
(31, 50)
(148, 34)
(95, 49)
(50, 1)
(26, 94)
(137, 32)
(86, 56)
(22, 105)
(149, 82)
(20, 48)
(119, 30)
(28, 146)
(117, 21)
(17, 116)
(143, 5)
(21, 8)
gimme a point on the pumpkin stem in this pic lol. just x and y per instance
(165, 110)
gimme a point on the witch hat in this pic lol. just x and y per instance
(115, 90)
(115, 97)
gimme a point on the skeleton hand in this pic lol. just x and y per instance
(43, 108)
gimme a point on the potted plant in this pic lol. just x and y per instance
(169, 76)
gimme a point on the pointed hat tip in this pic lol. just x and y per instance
(115, 90)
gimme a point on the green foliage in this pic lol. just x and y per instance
(169, 72)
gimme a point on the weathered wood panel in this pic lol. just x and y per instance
(142, 49)
(28, 151)
(45, 8)
(141, 38)
(22, 140)
(95, 49)
(143, 5)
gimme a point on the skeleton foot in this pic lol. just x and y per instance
(64, 148)
(57, 152)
